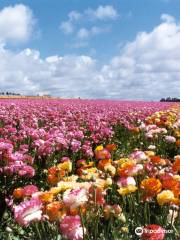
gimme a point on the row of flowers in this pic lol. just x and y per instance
(57, 181)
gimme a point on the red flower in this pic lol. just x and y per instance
(153, 232)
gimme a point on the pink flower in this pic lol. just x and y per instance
(170, 139)
(138, 155)
(28, 211)
(65, 159)
(75, 197)
(29, 190)
(75, 145)
(125, 181)
(71, 228)
(27, 171)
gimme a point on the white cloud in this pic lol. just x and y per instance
(67, 27)
(74, 16)
(102, 12)
(85, 33)
(106, 12)
(27, 73)
(146, 68)
(167, 18)
(16, 23)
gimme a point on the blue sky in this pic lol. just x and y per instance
(94, 36)
(134, 16)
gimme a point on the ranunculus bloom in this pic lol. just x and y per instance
(127, 190)
(55, 210)
(28, 211)
(46, 197)
(168, 182)
(18, 193)
(176, 165)
(153, 232)
(127, 169)
(102, 163)
(26, 171)
(102, 154)
(127, 185)
(125, 181)
(138, 155)
(75, 197)
(111, 147)
(164, 197)
(29, 190)
(157, 160)
(170, 139)
(151, 187)
(71, 228)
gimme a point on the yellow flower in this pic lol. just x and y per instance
(103, 183)
(55, 190)
(177, 133)
(66, 166)
(99, 148)
(166, 196)
(71, 178)
(150, 153)
(126, 190)
(90, 173)
(176, 177)
(121, 161)
(65, 185)
(125, 229)
(110, 169)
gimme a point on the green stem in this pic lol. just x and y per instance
(37, 230)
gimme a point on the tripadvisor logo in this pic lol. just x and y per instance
(139, 231)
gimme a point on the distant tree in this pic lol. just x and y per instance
(169, 99)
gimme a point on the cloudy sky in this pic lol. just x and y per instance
(116, 49)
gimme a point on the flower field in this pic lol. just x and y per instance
(89, 169)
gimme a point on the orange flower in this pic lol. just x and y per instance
(55, 210)
(126, 169)
(176, 189)
(135, 130)
(151, 187)
(157, 160)
(176, 201)
(102, 154)
(178, 143)
(169, 183)
(176, 165)
(46, 197)
(111, 147)
(103, 163)
(77, 211)
(55, 174)
(18, 193)
(82, 163)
